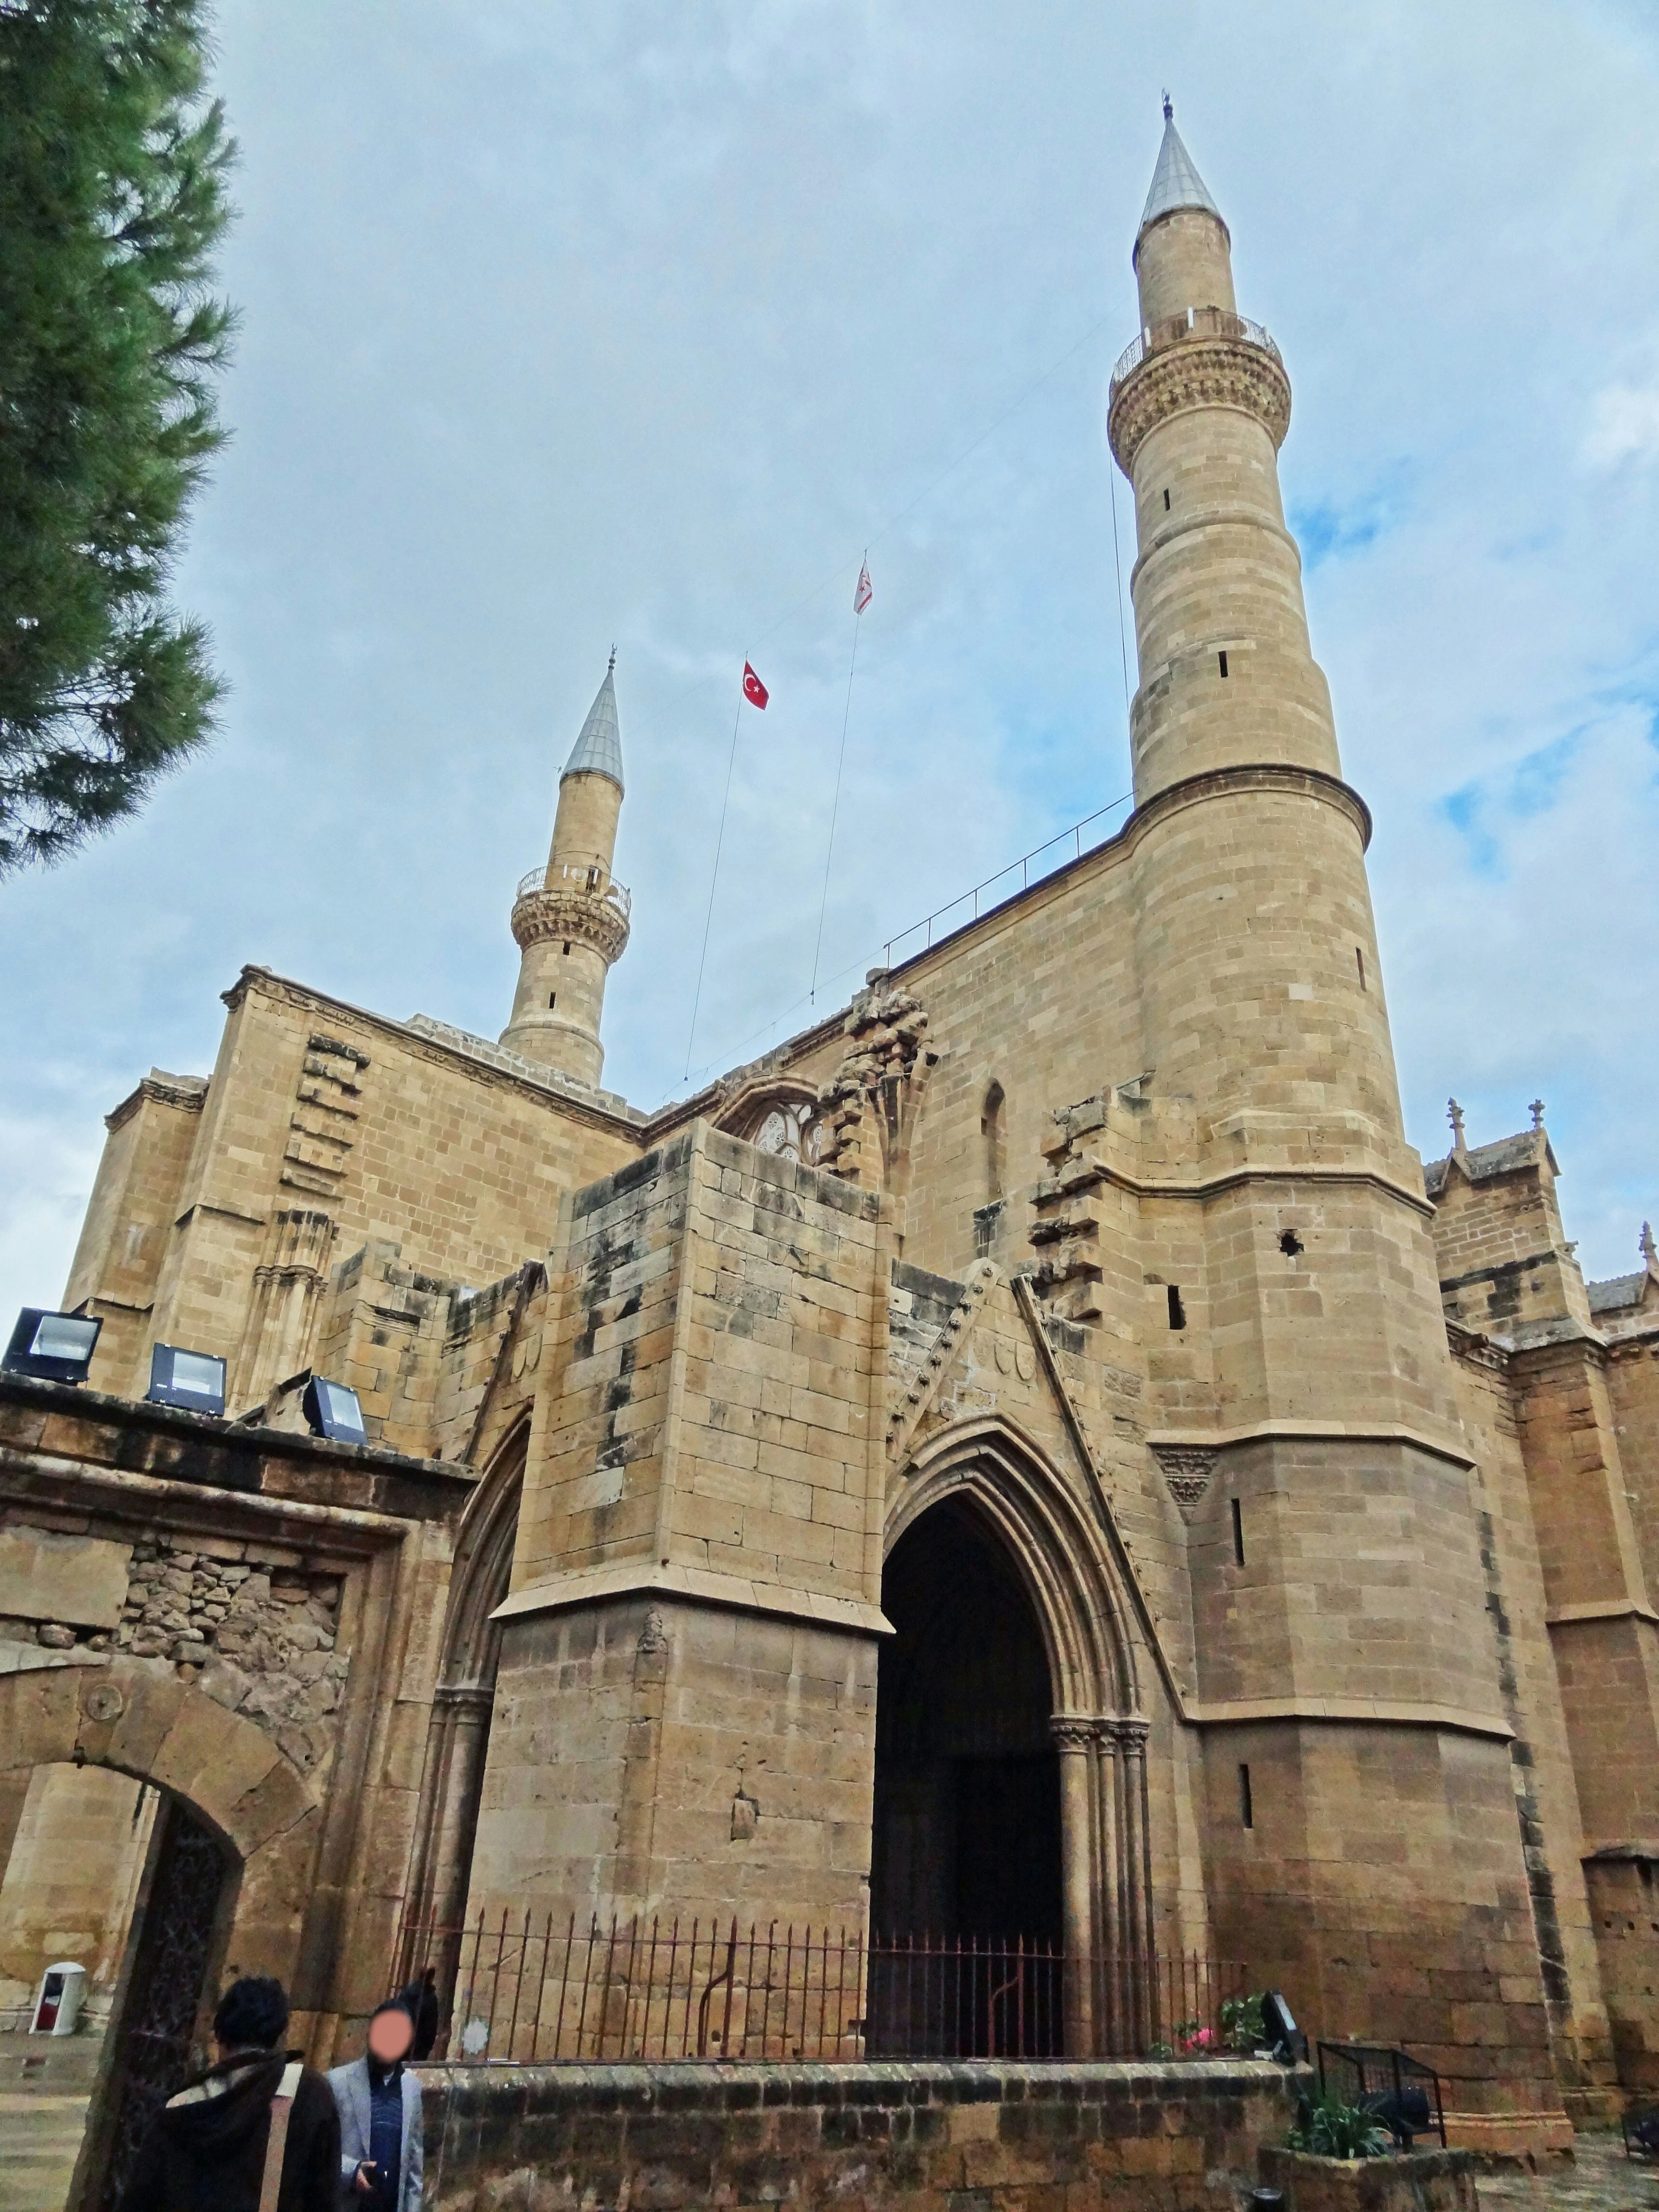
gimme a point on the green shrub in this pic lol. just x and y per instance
(1241, 2028)
(1332, 2128)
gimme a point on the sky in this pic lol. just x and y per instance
(567, 326)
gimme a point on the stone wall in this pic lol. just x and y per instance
(921, 2137)
(387, 1131)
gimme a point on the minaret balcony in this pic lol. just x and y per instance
(569, 900)
(1204, 356)
(1193, 323)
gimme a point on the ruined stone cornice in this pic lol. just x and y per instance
(63, 1441)
(1479, 1351)
(622, 1120)
(1198, 372)
(588, 917)
(188, 1093)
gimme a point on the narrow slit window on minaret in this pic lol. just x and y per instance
(1238, 1534)
(1166, 500)
(552, 998)
(567, 947)
(1246, 1807)
(1359, 956)
(1223, 659)
(1178, 1311)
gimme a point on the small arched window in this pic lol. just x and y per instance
(993, 1142)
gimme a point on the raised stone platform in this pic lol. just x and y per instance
(978, 2137)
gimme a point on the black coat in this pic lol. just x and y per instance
(205, 2150)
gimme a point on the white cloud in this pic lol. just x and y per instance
(1626, 426)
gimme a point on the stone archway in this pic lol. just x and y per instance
(1018, 1503)
(240, 1822)
(459, 1735)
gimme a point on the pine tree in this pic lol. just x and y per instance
(113, 165)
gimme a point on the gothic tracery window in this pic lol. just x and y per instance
(790, 1129)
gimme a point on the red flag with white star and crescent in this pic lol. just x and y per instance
(866, 591)
(753, 690)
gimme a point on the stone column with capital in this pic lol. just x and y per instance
(1074, 1737)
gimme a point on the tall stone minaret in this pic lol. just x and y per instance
(1260, 985)
(1336, 1564)
(571, 919)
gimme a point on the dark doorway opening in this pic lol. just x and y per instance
(965, 1875)
(158, 2028)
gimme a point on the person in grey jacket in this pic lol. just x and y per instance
(379, 2107)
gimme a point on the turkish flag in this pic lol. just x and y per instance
(753, 690)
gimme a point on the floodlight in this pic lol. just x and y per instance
(332, 1410)
(194, 1380)
(58, 1347)
(1284, 2038)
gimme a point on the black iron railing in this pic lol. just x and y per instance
(1400, 2091)
(526, 1988)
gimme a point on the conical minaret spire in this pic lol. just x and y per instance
(1176, 181)
(571, 918)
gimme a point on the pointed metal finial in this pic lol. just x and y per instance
(612, 669)
(1645, 1245)
(1536, 1109)
(1168, 109)
(1454, 1115)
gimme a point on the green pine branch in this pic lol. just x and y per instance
(114, 194)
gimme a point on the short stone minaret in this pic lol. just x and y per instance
(571, 917)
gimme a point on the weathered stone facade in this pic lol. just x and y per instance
(1078, 1271)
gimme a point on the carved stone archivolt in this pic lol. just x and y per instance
(1203, 372)
(1189, 1470)
(869, 1104)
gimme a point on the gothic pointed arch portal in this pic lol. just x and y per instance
(1011, 1793)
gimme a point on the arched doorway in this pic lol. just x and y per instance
(121, 1877)
(966, 1836)
(1011, 1807)
(967, 1915)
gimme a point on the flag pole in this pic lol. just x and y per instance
(834, 804)
(708, 920)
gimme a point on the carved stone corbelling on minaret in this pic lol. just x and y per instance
(870, 1102)
(583, 903)
(1198, 372)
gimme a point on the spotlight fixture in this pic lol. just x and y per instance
(1284, 2038)
(194, 1380)
(332, 1410)
(56, 1346)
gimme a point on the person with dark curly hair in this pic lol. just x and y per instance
(209, 2148)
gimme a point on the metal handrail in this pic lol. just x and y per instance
(571, 875)
(1023, 864)
(1191, 323)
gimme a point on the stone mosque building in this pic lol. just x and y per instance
(1037, 1452)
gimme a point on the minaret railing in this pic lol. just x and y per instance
(1191, 323)
(571, 876)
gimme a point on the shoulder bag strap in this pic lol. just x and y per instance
(276, 2143)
